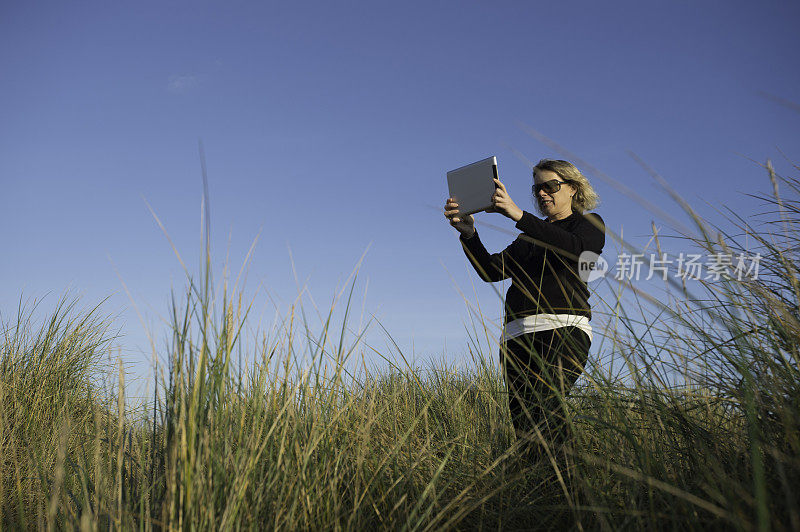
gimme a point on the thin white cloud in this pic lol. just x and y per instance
(181, 82)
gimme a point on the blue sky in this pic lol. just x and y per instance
(329, 128)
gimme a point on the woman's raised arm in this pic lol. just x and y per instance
(495, 266)
(590, 236)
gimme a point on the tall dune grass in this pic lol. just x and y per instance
(287, 435)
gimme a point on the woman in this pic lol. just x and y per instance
(546, 334)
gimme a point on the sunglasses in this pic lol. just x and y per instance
(552, 186)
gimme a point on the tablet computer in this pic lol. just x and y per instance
(472, 185)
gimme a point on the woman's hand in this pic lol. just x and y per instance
(465, 225)
(502, 203)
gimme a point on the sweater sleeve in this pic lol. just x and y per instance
(490, 267)
(587, 235)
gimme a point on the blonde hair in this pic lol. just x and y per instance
(585, 198)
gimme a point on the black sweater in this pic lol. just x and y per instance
(542, 264)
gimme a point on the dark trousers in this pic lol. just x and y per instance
(539, 370)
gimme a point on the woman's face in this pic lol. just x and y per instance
(554, 205)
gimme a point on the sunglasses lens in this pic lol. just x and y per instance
(548, 186)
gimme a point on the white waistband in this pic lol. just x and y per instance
(545, 322)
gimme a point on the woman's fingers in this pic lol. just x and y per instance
(450, 208)
(500, 194)
(500, 197)
(452, 214)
